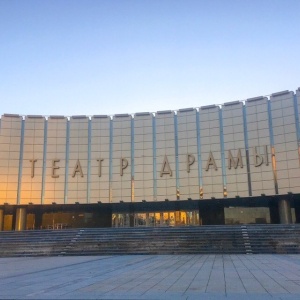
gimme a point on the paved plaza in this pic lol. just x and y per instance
(151, 277)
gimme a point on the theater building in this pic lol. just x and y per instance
(236, 163)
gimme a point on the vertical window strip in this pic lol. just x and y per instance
(44, 160)
(154, 157)
(199, 155)
(297, 123)
(110, 158)
(89, 160)
(21, 160)
(67, 162)
(222, 153)
(247, 149)
(176, 157)
(272, 147)
(132, 159)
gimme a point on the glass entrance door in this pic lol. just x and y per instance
(158, 219)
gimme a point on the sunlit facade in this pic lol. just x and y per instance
(219, 164)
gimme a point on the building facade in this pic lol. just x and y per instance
(219, 164)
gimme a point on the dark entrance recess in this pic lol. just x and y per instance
(161, 213)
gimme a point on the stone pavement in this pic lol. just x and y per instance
(151, 277)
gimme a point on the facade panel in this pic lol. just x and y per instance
(234, 148)
(211, 152)
(259, 141)
(100, 143)
(285, 141)
(188, 154)
(165, 156)
(143, 157)
(32, 164)
(121, 159)
(297, 108)
(10, 142)
(55, 160)
(78, 160)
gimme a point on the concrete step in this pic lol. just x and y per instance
(250, 239)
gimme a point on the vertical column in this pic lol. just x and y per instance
(1, 219)
(176, 157)
(67, 158)
(21, 162)
(199, 156)
(247, 149)
(111, 133)
(38, 218)
(132, 160)
(284, 211)
(44, 161)
(21, 215)
(88, 196)
(224, 178)
(297, 118)
(154, 158)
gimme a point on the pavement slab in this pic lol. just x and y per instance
(151, 277)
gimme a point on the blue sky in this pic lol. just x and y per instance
(73, 57)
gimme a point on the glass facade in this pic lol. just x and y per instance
(238, 150)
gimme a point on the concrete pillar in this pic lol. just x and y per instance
(131, 220)
(1, 219)
(274, 212)
(285, 213)
(21, 219)
(38, 219)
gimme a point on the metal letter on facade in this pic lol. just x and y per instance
(123, 165)
(77, 168)
(165, 168)
(100, 160)
(54, 167)
(190, 159)
(211, 162)
(266, 156)
(232, 161)
(259, 159)
(33, 161)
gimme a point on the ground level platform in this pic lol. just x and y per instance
(151, 277)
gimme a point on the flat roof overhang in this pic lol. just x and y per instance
(154, 206)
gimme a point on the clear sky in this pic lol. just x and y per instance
(88, 57)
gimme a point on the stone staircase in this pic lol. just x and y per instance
(215, 239)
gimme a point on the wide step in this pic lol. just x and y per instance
(245, 239)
